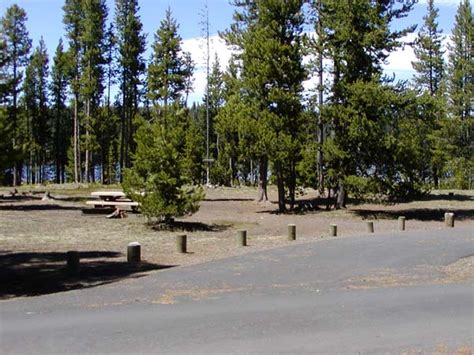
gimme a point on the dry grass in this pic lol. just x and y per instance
(35, 234)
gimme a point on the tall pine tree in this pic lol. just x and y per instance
(61, 122)
(92, 39)
(17, 45)
(37, 114)
(461, 93)
(131, 47)
(359, 39)
(72, 20)
(272, 76)
(429, 65)
(429, 78)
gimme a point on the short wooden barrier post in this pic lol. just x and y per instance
(242, 238)
(401, 223)
(181, 243)
(370, 227)
(134, 250)
(72, 262)
(333, 230)
(449, 219)
(291, 232)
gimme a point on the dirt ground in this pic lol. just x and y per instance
(36, 234)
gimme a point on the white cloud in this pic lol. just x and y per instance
(399, 62)
(441, 2)
(197, 48)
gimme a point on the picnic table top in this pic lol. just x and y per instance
(108, 194)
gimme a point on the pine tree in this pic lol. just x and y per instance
(131, 47)
(359, 39)
(37, 113)
(93, 36)
(429, 65)
(214, 98)
(245, 18)
(461, 93)
(157, 179)
(170, 69)
(272, 76)
(429, 77)
(61, 122)
(17, 45)
(72, 20)
(106, 128)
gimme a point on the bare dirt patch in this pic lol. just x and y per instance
(36, 234)
(458, 271)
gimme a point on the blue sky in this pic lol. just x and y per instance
(45, 19)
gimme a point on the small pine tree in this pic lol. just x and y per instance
(157, 179)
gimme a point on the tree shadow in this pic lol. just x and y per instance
(302, 206)
(230, 199)
(37, 207)
(72, 198)
(39, 273)
(419, 214)
(184, 226)
(19, 198)
(446, 197)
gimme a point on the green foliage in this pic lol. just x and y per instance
(157, 179)
(269, 33)
(170, 67)
(461, 91)
(428, 51)
(131, 42)
(16, 47)
(61, 122)
(37, 135)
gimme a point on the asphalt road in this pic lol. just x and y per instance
(370, 294)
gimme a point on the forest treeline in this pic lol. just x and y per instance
(97, 110)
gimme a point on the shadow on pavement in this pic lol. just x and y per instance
(37, 273)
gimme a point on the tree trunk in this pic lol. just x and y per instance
(320, 106)
(76, 151)
(281, 188)
(292, 185)
(341, 197)
(262, 180)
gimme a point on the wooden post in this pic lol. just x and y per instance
(134, 252)
(449, 219)
(242, 238)
(401, 223)
(72, 262)
(370, 227)
(333, 230)
(181, 243)
(291, 232)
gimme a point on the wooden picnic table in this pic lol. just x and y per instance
(116, 199)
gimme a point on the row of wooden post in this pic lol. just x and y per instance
(134, 249)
